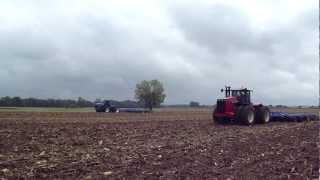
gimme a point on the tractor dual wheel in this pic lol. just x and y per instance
(262, 114)
(238, 114)
(246, 115)
(112, 109)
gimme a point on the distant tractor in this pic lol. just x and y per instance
(105, 107)
(237, 106)
(108, 106)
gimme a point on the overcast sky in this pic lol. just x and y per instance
(101, 49)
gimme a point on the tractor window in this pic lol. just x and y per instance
(235, 93)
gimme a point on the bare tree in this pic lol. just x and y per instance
(150, 93)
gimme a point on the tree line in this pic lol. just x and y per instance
(147, 93)
(17, 101)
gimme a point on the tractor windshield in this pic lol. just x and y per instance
(240, 92)
(235, 93)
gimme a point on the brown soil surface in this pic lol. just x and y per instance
(161, 145)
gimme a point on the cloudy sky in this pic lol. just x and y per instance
(101, 49)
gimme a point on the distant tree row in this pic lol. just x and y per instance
(194, 104)
(67, 103)
(35, 102)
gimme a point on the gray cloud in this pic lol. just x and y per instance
(279, 63)
(193, 49)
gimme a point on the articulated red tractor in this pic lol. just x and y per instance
(237, 107)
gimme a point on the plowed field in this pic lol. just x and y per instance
(159, 145)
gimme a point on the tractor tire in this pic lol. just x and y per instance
(262, 114)
(218, 120)
(112, 109)
(238, 114)
(247, 115)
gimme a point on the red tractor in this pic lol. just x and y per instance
(237, 107)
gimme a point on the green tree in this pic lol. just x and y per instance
(150, 93)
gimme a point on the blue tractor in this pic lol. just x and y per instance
(105, 107)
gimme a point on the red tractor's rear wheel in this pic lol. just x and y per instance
(238, 114)
(247, 115)
(262, 114)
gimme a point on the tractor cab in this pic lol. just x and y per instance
(243, 96)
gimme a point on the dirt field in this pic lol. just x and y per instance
(160, 145)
